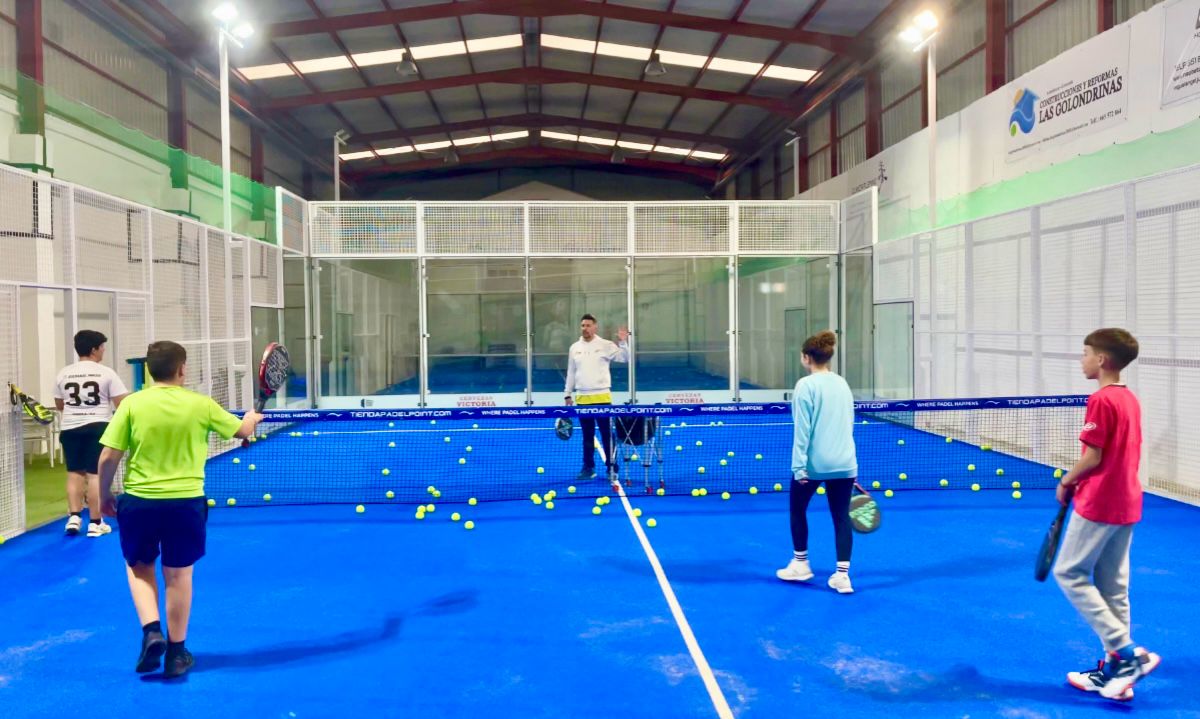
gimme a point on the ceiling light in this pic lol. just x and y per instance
(356, 155)
(451, 156)
(795, 74)
(926, 20)
(639, 146)
(243, 30)
(514, 135)
(407, 68)
(911, 35)
(655, 68)
(672, 150)
(426, 146)
(265, 72)
(444, 49)
(552, 135)
(602, 141)
(704, 155)
(384, 152)
(225, 13)
(379, 57)
(500, 42)
(323, 64)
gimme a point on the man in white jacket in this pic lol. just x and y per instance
(589, 382)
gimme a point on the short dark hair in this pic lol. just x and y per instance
(1115, 343)
(820, 347)
(88, 341)
(164, 358)
(587, 317)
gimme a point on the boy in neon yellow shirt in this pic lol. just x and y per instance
(164, 428)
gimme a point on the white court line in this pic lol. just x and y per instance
(685, 629)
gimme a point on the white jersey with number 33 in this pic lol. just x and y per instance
(86, 389)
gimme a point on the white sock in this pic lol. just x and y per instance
(800, 556)
(843, 567)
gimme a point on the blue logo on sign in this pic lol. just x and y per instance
(1024, 115)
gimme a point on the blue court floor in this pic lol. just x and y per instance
(322, 612)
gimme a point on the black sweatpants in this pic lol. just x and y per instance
(838, 491)
(589, 440)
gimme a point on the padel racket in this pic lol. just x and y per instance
(272, 374)
(1049, 550)
(865, 516)
(29, 405)
(564, 428)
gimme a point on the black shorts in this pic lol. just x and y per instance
(81, 447)
(174, 526)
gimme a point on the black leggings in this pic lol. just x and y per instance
(838, 491)
(589, 440)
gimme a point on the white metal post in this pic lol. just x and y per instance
(226, 187)
(931, 109)
(337, 169)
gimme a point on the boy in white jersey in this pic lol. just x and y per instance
(86, 393)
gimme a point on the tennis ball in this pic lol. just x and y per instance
(900, 442)
(541, 470)
(661, 491)
(455, 517)
(462, 460)
(986, 448)
(474, 426)
(778, 487)
(758, 456)
(468, 524)
(437, 494)
(699, 443)
(1, 539)
(252, 468)
(944, 483)
(903, 476)
(668, 433)
(970, 468)
(420, 514)
(231, 502)
(252, 438)
(316, 434)
(875, 484)
(1016, 485)
(535, 498)
(678, 448)
(391, 424)
(821, 490)
(430, 508)
(596, 510)
(949, 440)
(390, 494)
(703, 492)
(724, 495)
(683, 424)
(391, 444)
(472, 501)
(470, 448)
(729, 454)
(571, 489)
(695, 492)
(724, 463)
(386, 471)
(889, 493)
(999, 472)
(267, 497)
(212, 502)
(652, 522)
(1016, 494)
(700, 470)
(974, 487)
(431, 489)
(1058, 473)
(633, 458)
(551, 494)
(236, 460)
(433, 421)
(445, 439)
(549, 505)
(637, 512)
(754, 490)
(360, 509)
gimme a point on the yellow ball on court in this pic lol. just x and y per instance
(390, 494)
(430, 508)
(633, 458)
(231, 502)
(437, 494)
(595, 510)
(970, 468)
(821, 490)
(462, 460)
(889, 493)
(974, 487)
(903, 476)
(431, 489)
(875, 484)
(600, 501)
(472, 501)
(999, 472)
(571, 489)
(445, 439)
(1016, 494)
(1016, 485)
(778, 487)
(699, 443)
(360, 509)
(386, 471)
(944, 483)
(252, 468)
(986, 448)
(470, 448)
(551, 494)
(455, 517)
(652, 522)
(391, 424)
(212, 502)
(758, 456)
(433, 421)
(541, 470)
(420, 514)
(703, 492)
(549, 505)
(1058, 473)
(723, 463)
(729, 454)
(316, 434)
(637, 512)
(678, 448)
(468, 524)
(754, 490)
(661, 491)
(724, 495)
(236, 460)
(474, 426)
(949, 440)
(900, 442)
(267, 497)
(535, 498)
(700, 470)
(391, 444)
(695, 492)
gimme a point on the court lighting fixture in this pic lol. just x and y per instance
(920, 34)
(226, 15)
(407, 68)
(655, 68)
(920, 30)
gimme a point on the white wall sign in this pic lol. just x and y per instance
(1082, 91)
(1181, 51)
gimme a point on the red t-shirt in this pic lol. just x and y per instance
(1112, 493)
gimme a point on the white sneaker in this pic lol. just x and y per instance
(840, 582)
(74, 522)
(795, 571)
(98, 530)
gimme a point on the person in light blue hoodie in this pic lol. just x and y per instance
(822, 453)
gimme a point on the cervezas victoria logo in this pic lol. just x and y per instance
(1024, 114)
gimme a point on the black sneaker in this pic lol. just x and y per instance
(1120, 676)
(178, 664)
(585, 474)
(154, 645)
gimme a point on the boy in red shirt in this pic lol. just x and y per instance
(1093, 562)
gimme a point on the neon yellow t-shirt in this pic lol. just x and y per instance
(165, 430)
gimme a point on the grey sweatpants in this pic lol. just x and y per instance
(1093, 571)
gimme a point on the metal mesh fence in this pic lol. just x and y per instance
(12, 480)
